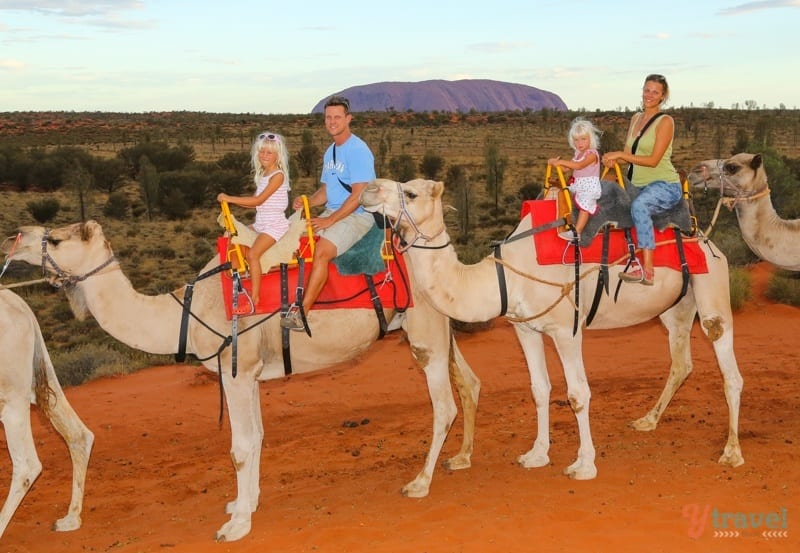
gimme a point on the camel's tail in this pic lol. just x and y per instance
(53, 403)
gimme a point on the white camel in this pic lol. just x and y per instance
(742, 181)
(82, 260)
(538, 305)
(27, 376)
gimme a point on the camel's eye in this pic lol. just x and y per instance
(53, 241)
(731, 168)
(410, 195)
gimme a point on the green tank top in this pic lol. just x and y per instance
(664, 171)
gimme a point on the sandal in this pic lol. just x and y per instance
(639, 275)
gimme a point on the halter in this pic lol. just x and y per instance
(63, 278)
(739, 195)
(418, 235)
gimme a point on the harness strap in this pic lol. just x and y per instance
(501, 281)
(298, 298)
(631, 259)
(684, 265)
(237, 289)
(180, 357)
(576, 313)
(376, 303)
(285, 346)
(602, 276)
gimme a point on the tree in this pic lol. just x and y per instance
(402, 167)
(430, 165)
(457, 181)
(81, 182)
(148, 182)
(495, 172)
(309, 156)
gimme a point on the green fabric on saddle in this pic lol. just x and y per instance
(364, 257)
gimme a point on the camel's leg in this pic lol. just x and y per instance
(716, 320)
(26, 467)
(429, 335)
(533, 347)
(78, 437)
(678, 321)
(79, 440)
(570, 351)
(469, 387)
(246, 438)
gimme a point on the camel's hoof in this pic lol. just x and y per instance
(532, 460)
(415, 488)
(732, 457)
(458, 462)
(235, 529)
(67, 524)
(580, 470)
(645, 424)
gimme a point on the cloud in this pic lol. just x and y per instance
(73, 8)
(759, 5)
(12, 65)
(498, 47)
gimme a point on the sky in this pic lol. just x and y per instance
(267, 57)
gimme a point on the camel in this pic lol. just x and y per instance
(27, 376)
(742, 181)
(537, 305)
(82, 262)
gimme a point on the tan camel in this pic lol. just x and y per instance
(27, 376)
(742, 181)
(82, 260)
(538, 306)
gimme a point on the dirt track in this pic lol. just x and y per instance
(160, 473)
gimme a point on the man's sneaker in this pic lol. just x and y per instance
(293, 320)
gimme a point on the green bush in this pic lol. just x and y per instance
(44, 210)
(117, 206)
(784, 287)
(740, 287)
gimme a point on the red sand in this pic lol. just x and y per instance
(160, 473)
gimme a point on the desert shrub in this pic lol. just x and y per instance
(76, 366)
(174, 205)
(117, 206)
(740, 287)
(784, 287)
(44, 210)
(161, 252)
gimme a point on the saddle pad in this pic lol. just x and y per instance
(554, 250)
(340, 291)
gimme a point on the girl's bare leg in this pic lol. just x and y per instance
(263, 243)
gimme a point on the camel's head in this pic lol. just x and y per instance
(412, 207)
(741, 176)
(69, 251)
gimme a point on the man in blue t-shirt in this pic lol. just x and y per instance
(347, 167)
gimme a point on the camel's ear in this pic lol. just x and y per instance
(90, 228)
(438, 189)
(756, 162)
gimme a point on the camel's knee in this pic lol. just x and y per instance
(714, 327)
(579, 397)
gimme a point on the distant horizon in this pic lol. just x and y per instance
(142, 56)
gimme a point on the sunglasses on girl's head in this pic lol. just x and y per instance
(269, 136)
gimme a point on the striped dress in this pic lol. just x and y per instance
(271, 215)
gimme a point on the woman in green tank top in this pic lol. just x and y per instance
(648, 148)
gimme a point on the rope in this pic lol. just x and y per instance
(19, 284)
(566, 288)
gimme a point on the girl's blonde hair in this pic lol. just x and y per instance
(584, 127)
(273, 142)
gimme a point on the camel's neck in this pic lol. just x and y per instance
(770, 237)
(147, 323)
(468, 293)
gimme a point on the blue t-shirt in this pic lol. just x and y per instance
(354, 163)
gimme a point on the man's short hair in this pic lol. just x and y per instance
(338, 101)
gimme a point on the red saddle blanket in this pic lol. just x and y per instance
(340, 291)
(552, 249)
